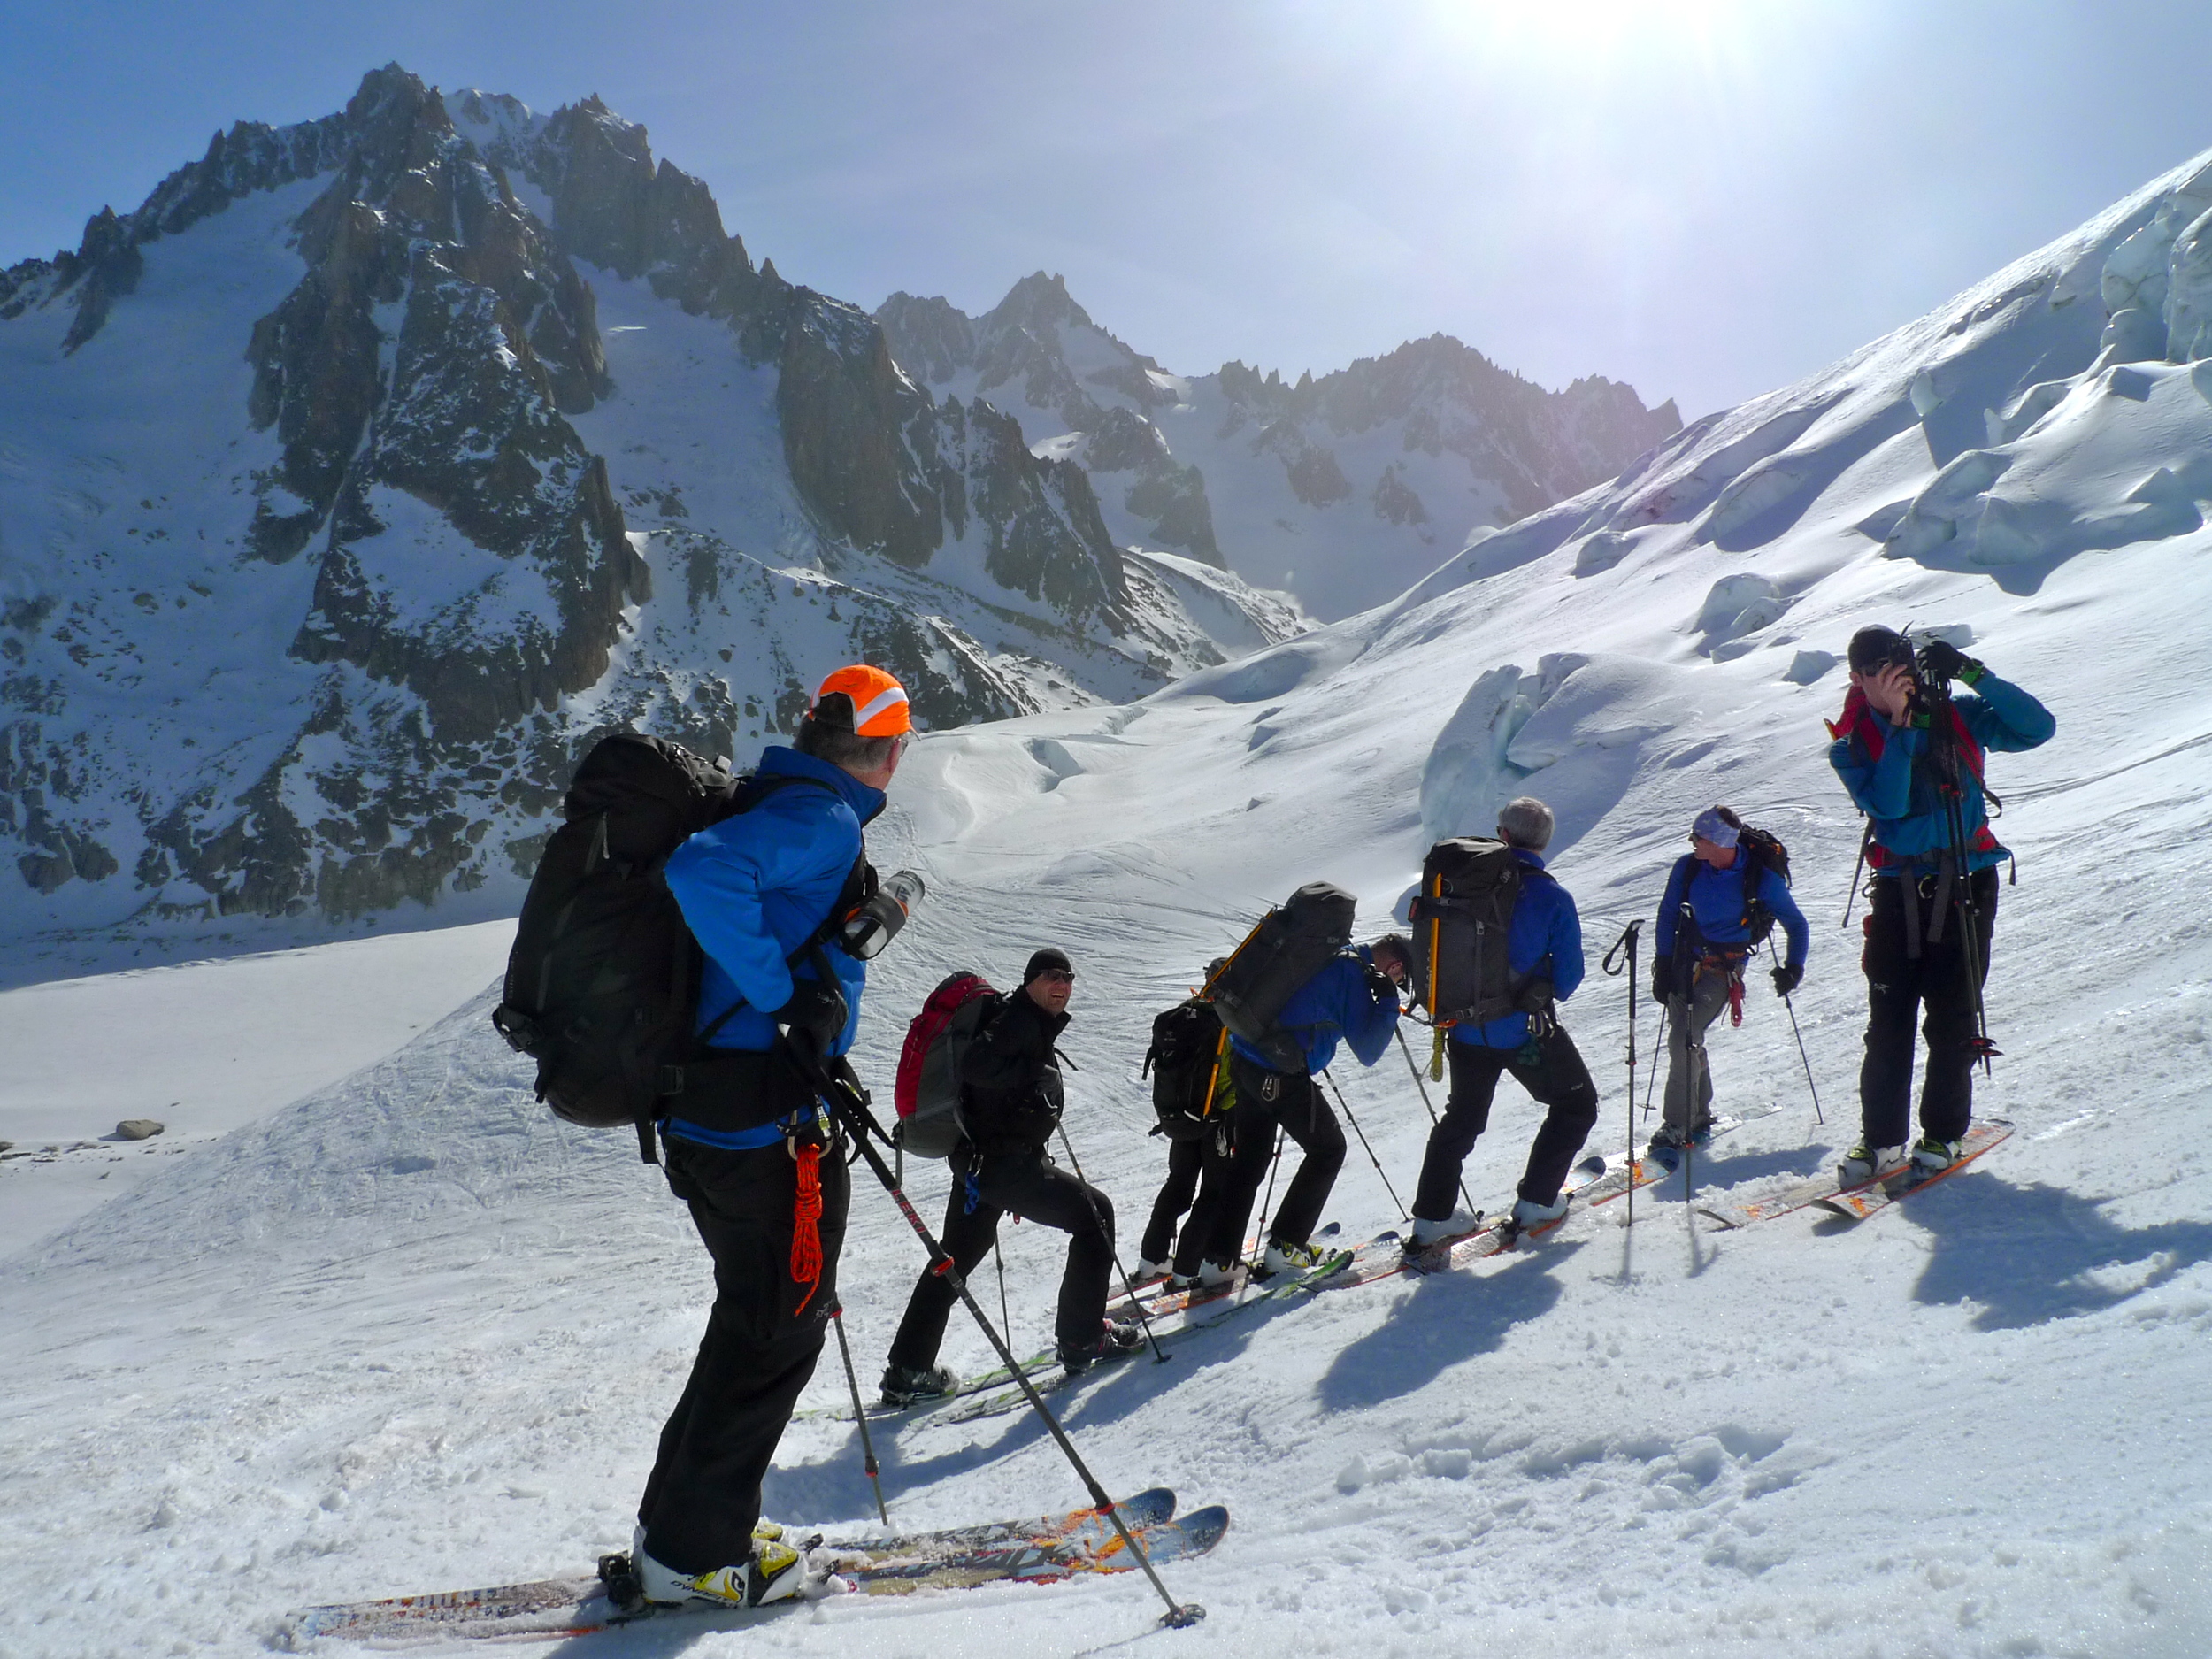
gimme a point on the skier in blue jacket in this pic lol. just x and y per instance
(1907, 749)
(1544, 946)
(1353, 999)
(1721, 901)
(747, 1144)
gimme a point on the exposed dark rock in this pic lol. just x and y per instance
(928, 337)
(1174, 499)
(847, 416)
(1395, 500)
(1123, 441)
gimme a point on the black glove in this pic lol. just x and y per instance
(1534, 997)
(1787, 980)
(1662, 979)
(816, 1009)
(1383, 987)
(1940, 660)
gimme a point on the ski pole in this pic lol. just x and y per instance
(1623, 952)
(1361, 1133)
(1406, 1049)
(1810, 1087)
(1866, 837)
(860, 1412)
(1267, 1202)
(1005, 1315)
(1159, 1355)
(848, 1104)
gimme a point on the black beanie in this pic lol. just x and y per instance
(1875, 648)
(1050, 958)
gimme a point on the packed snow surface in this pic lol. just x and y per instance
(409, 1333)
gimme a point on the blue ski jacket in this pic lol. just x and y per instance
(753, 886)
(1884, 767)
(1717, 902)
(1544, 941)
(1341, 1001)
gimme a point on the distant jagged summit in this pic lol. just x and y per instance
(1343, 489)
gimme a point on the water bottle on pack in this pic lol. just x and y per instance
(877, 922)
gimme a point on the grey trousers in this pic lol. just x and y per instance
(1688, 1073)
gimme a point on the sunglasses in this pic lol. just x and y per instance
(1054, 976)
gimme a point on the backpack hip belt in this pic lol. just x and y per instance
(733, 1090)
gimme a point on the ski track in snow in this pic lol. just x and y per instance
(412, 1333)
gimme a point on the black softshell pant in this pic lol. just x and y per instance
(703, 1495)
(1036, 1189)
(1186, 1162)
(1554, 1075)
(1898, 987)
(1266, 1101)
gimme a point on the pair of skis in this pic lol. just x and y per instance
(1860, 1199)
(1603, 1179)
(1046, 1551)
(989, 1393)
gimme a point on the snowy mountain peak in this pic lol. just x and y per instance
(1038, 301)
(469, 433)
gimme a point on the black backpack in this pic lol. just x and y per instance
(1763, 850)
(1183, 1064)
(1288, 947)
(1462, 919)
(603, 983)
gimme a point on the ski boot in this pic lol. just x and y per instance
(1209, 1276)
(1458, 1225)
(1528, 1215)
(1125, 1337)
(1665, 1150)
(1284, 1257)
(1864, 1164)
(908, 1384)
(776, 1573)
(1933, 1156)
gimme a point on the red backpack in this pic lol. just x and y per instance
(926, 1091)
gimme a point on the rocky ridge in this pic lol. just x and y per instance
(1343, 490)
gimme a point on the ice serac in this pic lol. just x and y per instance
(374, 465)
(1342, 489)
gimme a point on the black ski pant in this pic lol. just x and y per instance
(1032, 1187)
(1186, 1162)
(703, 1495)
(1267, 1100)
(1552, 1072)
(1899, 985)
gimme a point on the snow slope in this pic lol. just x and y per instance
(410, 1333)
(202, 1048)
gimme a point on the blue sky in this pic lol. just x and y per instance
(1706, 198)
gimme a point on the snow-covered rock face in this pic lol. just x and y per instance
(1342, 490)
(375, 465)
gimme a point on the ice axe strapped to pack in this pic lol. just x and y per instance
(1288, 947)
(1462, 918)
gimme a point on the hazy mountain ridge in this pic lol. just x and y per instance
(1344, 489)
